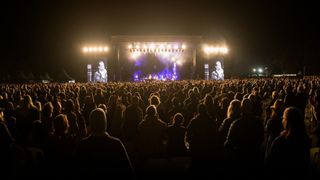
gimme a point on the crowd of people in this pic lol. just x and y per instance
(266, 127)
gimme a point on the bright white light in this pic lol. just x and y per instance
(254, 69)
(145, 46)
(260, 70)
(183, 46)
(206, 49)
(161, 46)
(215, 49)
(129, 46)
(225, 50)
(152, 46)
(135, 55)
(176, 47)
(165, 54)
(137, 47)
(173, 59)
(95, 49)
(169, 46)
(179, 62)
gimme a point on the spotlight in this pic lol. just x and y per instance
(225, 50)
(152, 46)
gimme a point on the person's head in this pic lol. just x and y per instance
(224, 103)
(1, 115)
(278, 106)
(47, 110)
(98, 120)
(11, 121)
(101, 66)
(253, 98)
(246, 106)
(202, 109)
(292, 121)
(234, 109)
(69, 105)
(57, 106)
(135, 100)
(208, 99)
(112, 100)
(38, 105)
(300, 88)
(275, 95)
(103, 107)
(316, 97)
(9, 106)
(154, 100)
(218, 64)
(175, 101)
(151, 110)
(238, 96)
(77, 105)
(27, 101)
(60, 124)
(178, 119)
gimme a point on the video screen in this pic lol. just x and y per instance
(217, 72)
(100, 71)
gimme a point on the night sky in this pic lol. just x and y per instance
(47, 36)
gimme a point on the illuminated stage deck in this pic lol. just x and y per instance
(141, 58)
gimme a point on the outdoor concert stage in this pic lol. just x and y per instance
(145, 58)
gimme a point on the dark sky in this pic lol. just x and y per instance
(46, 36)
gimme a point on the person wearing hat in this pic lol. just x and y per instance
(274, 125)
